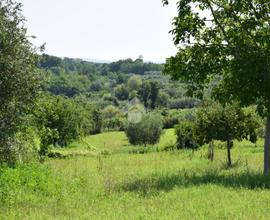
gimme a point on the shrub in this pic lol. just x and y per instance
(187, 136)
(114, 124)
(110, 112)
(96, 117)
(121, 92)
(173, 117)
(147, 131)
(183, 103)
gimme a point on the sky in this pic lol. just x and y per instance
(102, 29)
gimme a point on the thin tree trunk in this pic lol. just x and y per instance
(211, 151)
(267, 147)
(229, 146)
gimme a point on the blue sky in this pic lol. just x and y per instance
(102, 29)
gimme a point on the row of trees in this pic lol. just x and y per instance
(126, 66)
(216, 122)
(210, 122)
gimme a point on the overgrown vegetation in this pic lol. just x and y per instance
(100, 128)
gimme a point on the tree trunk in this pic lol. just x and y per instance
(211, 151)
(267, 147)
(229, 146)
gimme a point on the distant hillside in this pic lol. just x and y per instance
(113, 83)
(127, 66)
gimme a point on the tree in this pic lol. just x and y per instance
(224, 123)
(163, 99)
(134, 83)
(187, 136)
(208, 118)
(110, 112)
(147, 131)
(226, 40)
(18, 76)
(121, 92)
(149, 94)
(97, 121)
(60, 120)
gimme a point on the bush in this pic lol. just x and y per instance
(96, 117)
(147, 131)
(183, 103)
(110, 112)
(187, 136)
(114, 124)
(121, 92)
(173, 117)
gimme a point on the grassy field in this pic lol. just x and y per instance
(127, 184)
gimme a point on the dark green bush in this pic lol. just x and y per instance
(147, 131)
(187, 136)
(172, 117)
(183, 103)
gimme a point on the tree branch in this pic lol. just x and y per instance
(217, 21)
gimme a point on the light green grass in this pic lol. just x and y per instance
(113, 142)
(156, 185)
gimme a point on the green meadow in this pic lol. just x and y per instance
(102, 177)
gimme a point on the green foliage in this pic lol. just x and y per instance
(121, 92)
(110, 112)
(187, 135)
(18, 77)
(97, 121)
(28, 144)
(254, 124)
(147, 131)
(96, 86)
(134, 83)
(224, 41)
(32, 180)
(136, 67)
(69, 84)
(149, 94)
(60, 120)
(114, 124)
(127, 66)
(183, 103)
(216, 122)
(163, 99)
(227, 123)
(172, 117)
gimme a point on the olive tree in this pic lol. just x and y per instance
(18, 76)
(147, 131)
(226, 40)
